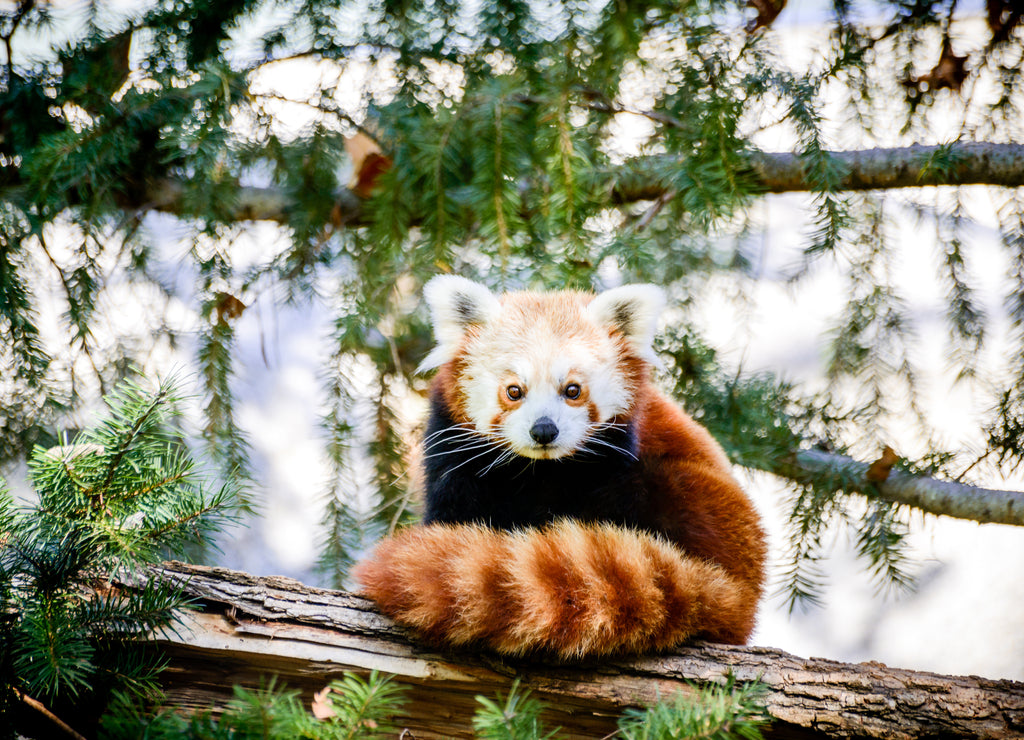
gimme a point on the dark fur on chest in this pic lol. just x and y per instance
(466, 481)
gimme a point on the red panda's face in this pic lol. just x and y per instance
(542, 384)
(540, 373)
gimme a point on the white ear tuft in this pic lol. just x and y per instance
(632, 310)
(455, 304)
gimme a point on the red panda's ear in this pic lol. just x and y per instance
(455, 304)
(633, 311)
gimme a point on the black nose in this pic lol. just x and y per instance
(543, 431)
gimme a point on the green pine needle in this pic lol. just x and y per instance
(516, 717)
(733, 710)
(123, 495)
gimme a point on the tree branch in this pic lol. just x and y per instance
(249, 204)
(970, 163)
(83, 331)
(966, 163)
(56, 721)
(248, 626)
(931, 495)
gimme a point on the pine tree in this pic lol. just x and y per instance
(123, 495)
(496, 152)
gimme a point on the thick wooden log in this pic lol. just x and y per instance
(246, 627)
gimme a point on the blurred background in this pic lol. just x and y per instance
(250, 195)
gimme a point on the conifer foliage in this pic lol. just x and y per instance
(541, 144)
(121, 496)
(372, 707)
(350, 708)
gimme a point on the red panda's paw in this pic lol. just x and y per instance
(569, 589)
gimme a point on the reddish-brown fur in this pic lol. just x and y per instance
(570, 589)
(574, 589)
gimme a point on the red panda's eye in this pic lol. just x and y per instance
(514, 392)
(572, 391)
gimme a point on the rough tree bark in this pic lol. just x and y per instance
(970, 163)
(973, 163)
(247, 626)
(931, 495)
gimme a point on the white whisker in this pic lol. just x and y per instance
(464, 448)
(450, 430)
(609, 445)
(464, 462)
(455, 438)
(465, 426)
(457, 433)
(504, 457)
(608, 425)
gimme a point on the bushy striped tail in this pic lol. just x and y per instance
(569, 589)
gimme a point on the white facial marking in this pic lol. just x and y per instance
(541, 342)
(542, 372)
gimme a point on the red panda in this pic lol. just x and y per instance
(571, 508)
